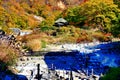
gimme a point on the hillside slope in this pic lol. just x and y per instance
(23, 13)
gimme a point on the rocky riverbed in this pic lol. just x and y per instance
(84, 60)
(70, 61)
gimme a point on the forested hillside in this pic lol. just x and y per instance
(21, 13)
(29, 14)
(90, 14)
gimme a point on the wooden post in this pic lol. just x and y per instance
(38, 71)
(87, 73)
(52, 67)
(92, 72)
(71, 75)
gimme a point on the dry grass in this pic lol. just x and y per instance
(99, 36)
(8, 55)
(34, 44)
(35, 41)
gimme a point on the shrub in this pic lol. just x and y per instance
(34, 44)
(43, 44)
(63, 30)
(68, 39)
(98, 35)
(86, 38)
(112, 74)
(8, 56)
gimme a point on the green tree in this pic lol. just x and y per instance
(73, 15)
(115, 28)
(117, 2)
(112, 74)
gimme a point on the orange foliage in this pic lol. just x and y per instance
(8, 55)
(32, 21)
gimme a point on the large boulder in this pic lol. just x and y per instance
(2, 32)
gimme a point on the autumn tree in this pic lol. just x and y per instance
(2, 16)
(103, 15)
